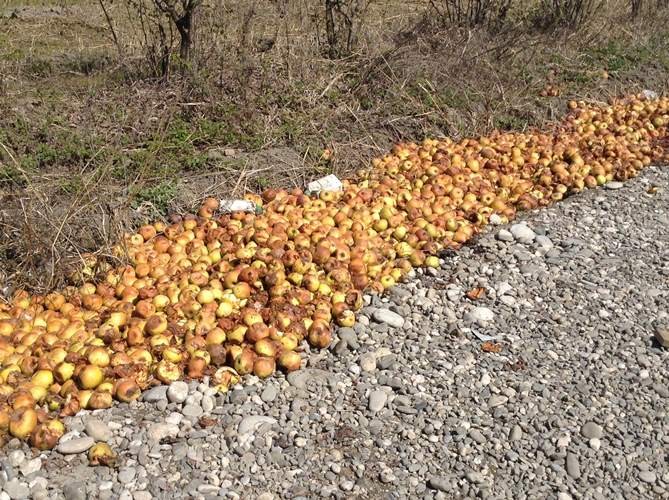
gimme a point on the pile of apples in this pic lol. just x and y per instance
(227, 295)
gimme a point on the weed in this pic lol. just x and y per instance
(160, 195)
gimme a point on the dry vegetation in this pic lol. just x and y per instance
(106, 124)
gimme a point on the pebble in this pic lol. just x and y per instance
(647, 476)
(208, 403)
(591, 430)
(613, 185)
(388, 317)
(155, 394)
(269, 393)
(522, 233)
(97, 429)
(573, 466)
(516, 433)
(439, 483)
(377, 400)
(504, 235)
(480, 314)
(31, 466)
(249, 424)
(368, 362)
(16, 489)
(192, 410)
(477, 436)
(474, 477)
(127, 475)
(662, 335)
(74, 490)
(159, 431)
(349, 336)
(497, 400)
(177, 392)
(16, 457)
(75, 445)
(142, 495)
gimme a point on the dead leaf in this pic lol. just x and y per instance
(489, 346)
(476, 293)
(653, 189)
(207, 422)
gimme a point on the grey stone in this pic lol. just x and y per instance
(662, 335)
(97, 429)
(388, 317)
(192, 411)
(349, 336)
(269, 393)
(16, 489)
(439, 483)
(127, 475)
(377, 400)
(573, 466)
(591, 430)
(74, 490)
(75, 445)
(647, 476)
(155, 394)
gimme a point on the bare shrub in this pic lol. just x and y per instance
(343, 21)
(470, 12)
(158, 25)
(570, 14)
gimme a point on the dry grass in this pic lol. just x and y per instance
(93, 143)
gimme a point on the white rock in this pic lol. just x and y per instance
(207, 403)
(503, 287)
(16, 458)
(613, 185)
(177, 392)
(368, 362)
(161, 431)
(482, 314)
(495, 220)
(251, 423)
(388, 317)
(31, 466)
(522, 233)
(504, 235)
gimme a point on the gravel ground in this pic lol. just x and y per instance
(550, 384)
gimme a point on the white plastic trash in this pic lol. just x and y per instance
(328, 183)
(228, 206)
